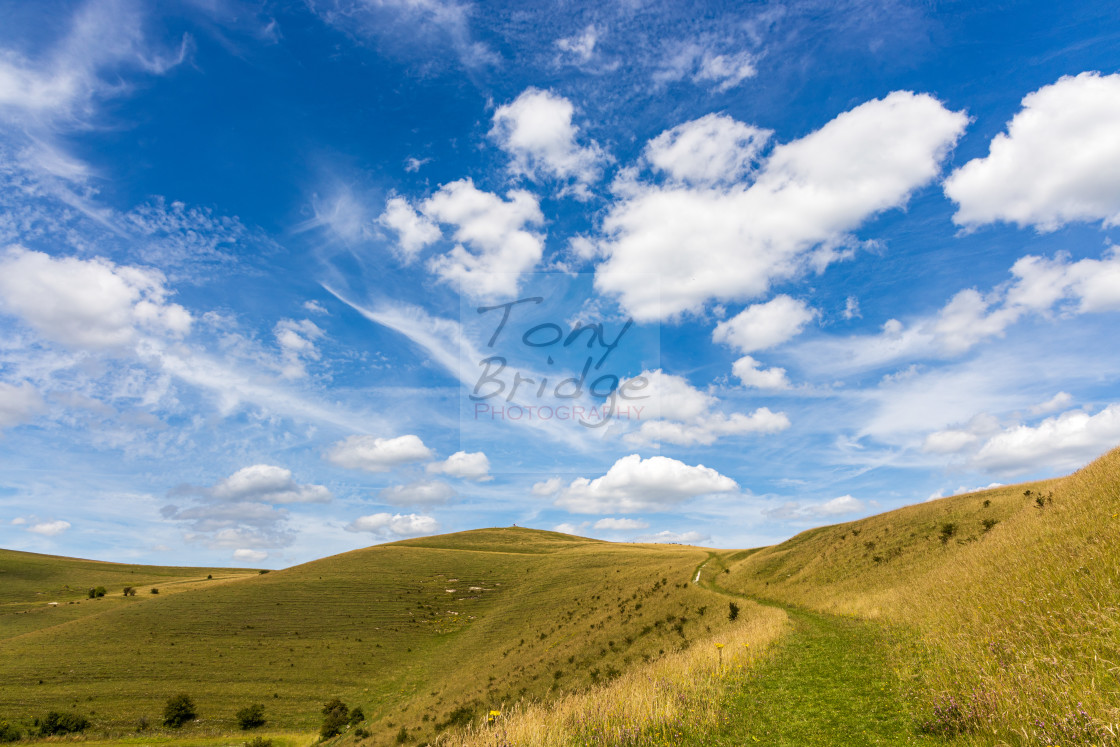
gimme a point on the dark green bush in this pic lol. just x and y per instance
(129, 591)
(335, 717)
(9, 733)
(948, 529)
(402, 735)
(461, 716)
(732, 611)
(357, 716)
(61, 723)
(178, 711)
(250, 717)
(259, 742)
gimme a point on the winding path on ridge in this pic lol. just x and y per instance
(826, 682)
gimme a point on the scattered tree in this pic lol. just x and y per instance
(61, 723)
(178, 711)
(335, 717)
(9, 733)
(250, 717)
(129, 591)
(732, 611)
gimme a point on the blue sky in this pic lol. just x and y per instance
(815, 261)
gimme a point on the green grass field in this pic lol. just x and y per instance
(421, 633)
(990, 618)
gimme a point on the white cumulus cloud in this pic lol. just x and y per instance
(49, 528)
(92, 304)
(377, 454)
(750, 372)
(465, 465)
(1062, 442)
(414, 231)
(536, 130)
(634, 484)
(495, 243)
(387, 525)
(269, 484)
(1058, 162)
(714, 149)
(732, 243)
(764, 325)
(676, 412)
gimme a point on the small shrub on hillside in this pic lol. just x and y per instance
(178, 711)
(948, 529)
(336, 715)
(989, 523)
(402, 735)
(732, 611)
(461, 716)
(987, 503)
(259, 742)
(250, 717)
(155, 591)
(357, 716)
(1040, 498)
(97, 591)
(61, 723)
(9, 733)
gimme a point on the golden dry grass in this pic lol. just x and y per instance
(678, 697)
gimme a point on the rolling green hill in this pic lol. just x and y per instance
(423, 633)
(39, 591)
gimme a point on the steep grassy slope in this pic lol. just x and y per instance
(422, 633)
(1007, 632)
(39, 591)
(853, 568)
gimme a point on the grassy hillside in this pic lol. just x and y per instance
(1005, 604)
(423, 634)
(39, 591)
